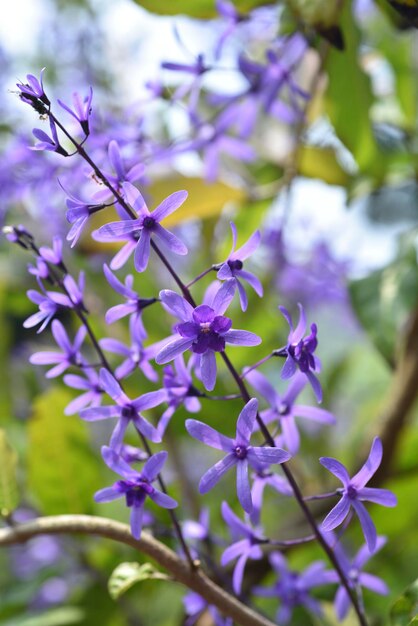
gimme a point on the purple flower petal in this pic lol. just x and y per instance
(289, 368)
(263, 386)
(290, 433)
(97, 413)
(116, 463)
(162, 499)
(142, 251)
(252, 280)
(314, 413)
(135, 199)
(116, 230)
(154, 465)
(173, 349)
(373, 583)
(223, 296)
(245, 422)
(169, 205)
(337, 515)
(208, 369)
(112, 387)
(242, 337)
(177, 305)
(336, 468)
(136, 521)
(369, 468)
(172, 242)
(378, 496)
(208, 435)
(367, 525)
(215, 473)
(239, 573)
(243, 486)
(107, 494)
(234, 551)
(249, 247)
(149, 400)
(267, 456)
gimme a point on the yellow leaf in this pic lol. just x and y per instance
(321, 163)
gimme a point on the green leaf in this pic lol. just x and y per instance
(128, 574)
(349, 98)
(384, 299)
(62, 470)
(405, 607)
(202, 9)
(64, 616)
(321, 163)
(9, 497)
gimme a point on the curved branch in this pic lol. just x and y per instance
(179, 569)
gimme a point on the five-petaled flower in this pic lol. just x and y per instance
(232, 267)
(204, 330)
(33, 92)
(70, 355)
(299, 351)
(135, 486)
(239, 453)
(125, 409)
(354, 493)
(144, 226)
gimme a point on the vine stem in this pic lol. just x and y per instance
(241, 386)
(148, 545)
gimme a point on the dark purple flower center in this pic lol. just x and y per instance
(240, 452)
(135, 490)
(207, 330)
(284, 409)
(302, 352)
(351, 492)
(148, 222)
(129, 412)
(235, 264)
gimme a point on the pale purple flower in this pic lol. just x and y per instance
(125, 409)
(204, 330)
(47, 310)
(73, 298)
(77, 215)
(262, 478)
(81, 111)
(135, 486)
(137, 356)
(40, 270)
(195, 606)
(70, 355)
(293, 589)
(145, 226)
(133, 304)
(52, 255)
(228, 11)
(240, 453)
(197, 530)
(89, 385)
(33, 91)
(299, 351)
(356, 578)
(242, 549)
(233, 266)
(51, 144)
(121, 174)
(178, 383)
(284, 410)
(354, 493)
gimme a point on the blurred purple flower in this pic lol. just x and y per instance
(135, 486)
(284, 410)
(33, 90)
(354, 493)
(73, 298)
(227, 11)
(125, 409)
(232, 267)
(51, 144)
(178, 384)
(81, 111)
(90, 384)
(146, 225)
(239, 453)
(293, 589)
(195, 606)
(69, 356)
(261, 478)
(243, 549)
(204, 330)
(299, 351)
(121, 175)
(47, 310)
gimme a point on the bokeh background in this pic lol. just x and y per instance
(336, 199)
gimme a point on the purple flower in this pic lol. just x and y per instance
(146, 225)
(51, 144)
(356, 578)
(69, 356)
(243, 549)
(47, 310)
(354, 493)
(293, 589)
(232, 267)
(134, 305)
(299, 351)
(52, 255)
(125, 409)
(261, 478)
(284, 411)
(73, 298)
(120, 176)
(197, 530)
(82, 110)
(178, 384)
(90, 385)
(77, 215)
(239, 453)
(228, 11)
(136, 355)
(33, 91)
(195, 606)
(135, 486)
(204, 330)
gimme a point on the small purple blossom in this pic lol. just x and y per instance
(135, 486)
(233, 266)
(92, 390)
(51, 144)
(195, 606)
(125, 410)
(299, 351)
(204, 330)
(77, 215)
(52, 255)
(243, 549)
(145, 226)
(262, 478)
(70, 355)
(356, 577)
(33, 91)
(81, 111)
(239, 453)
(73, 298)
(293, 589)
(178, 383)
(354, 493)
(284, 410)
(47, 310)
